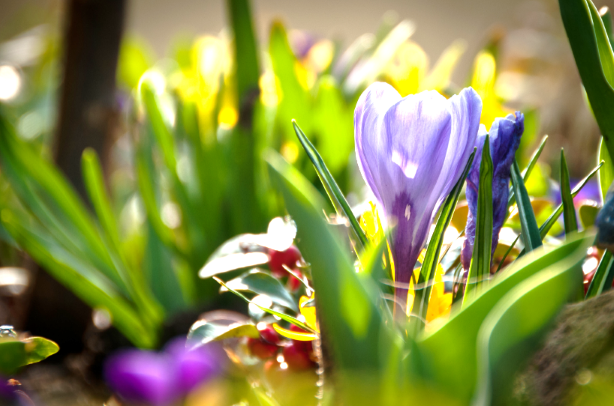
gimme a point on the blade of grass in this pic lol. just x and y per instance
(330, 185)
(569, 211)
(482, 248)
(431, 258)
(527, 172)
(530, 232)
(604, 275)
(545, 228)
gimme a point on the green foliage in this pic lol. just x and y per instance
(263, 283)
(606, 174)
(332, 189)
(569, 211)
(479, 270)
(530, 233)
(431, 258)
(16, 353)
(448, 355)
(595, 61)
(350, 314)
(604, 276)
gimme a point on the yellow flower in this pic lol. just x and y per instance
(440, 302)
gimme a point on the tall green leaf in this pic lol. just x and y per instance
(347, 310)
(603, 277)
(431, 258)
(530, 232)
(448, 354)
(569, 211)
(482, 247)
(527, 172)
(594, 59)
(514, 328)
(606, 174)
(330, 185)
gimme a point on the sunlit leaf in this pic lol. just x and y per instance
(482, 247)
(263, 283)
(569, 211)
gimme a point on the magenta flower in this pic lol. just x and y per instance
(159, 379)
(411, 151)
(504, 140)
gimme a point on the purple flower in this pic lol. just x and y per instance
(411, 152)
(196, 366)
(504, 138)
(158, 379)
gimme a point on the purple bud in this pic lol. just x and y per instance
(504, 138)
(142, 377)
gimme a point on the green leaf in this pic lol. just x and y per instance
(603, 277)
(449, 353)
(544, 228)
(12, 355)
(85, 281)
(527, 172)
(530, 233)
(347, 309)
(594, 59)
(334, 193)
(283, 316)
(569, 211)
(263, 283)
(482, 248)
(606, 174)
(203, 332)
(514, 328)
(588, 212)
(38, 349)
(333, 124)
(431, 258)
(296, 102)
(244, 47)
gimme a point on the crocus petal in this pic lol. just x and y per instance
(504, 139)
(142, 377)
(411, 151)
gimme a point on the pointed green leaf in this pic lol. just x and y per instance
(530, 233)
(606, 174)
(603, 277)
(39, 348)
(347, 305)
(594, 59)
(449, 352)
(513, 329)
(569, 211)
(527, 172)
(330, 185)
(431, 258)
(482, 248)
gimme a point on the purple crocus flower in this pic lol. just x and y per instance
(504, 139)
(159, 379)
(411, 152)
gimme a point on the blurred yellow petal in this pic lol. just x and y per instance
(294, 335)
(308, 312)
(408, 68)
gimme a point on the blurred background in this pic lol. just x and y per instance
(535, 72)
